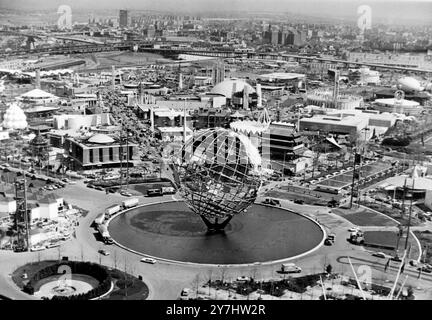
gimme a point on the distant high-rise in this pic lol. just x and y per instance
(123, 21)
(218, 73)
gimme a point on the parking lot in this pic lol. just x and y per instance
(342, 180)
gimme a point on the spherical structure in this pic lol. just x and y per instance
(228, 87)
(409, 84)
(218, 172)
(14, 118)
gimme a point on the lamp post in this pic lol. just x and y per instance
(128, 134)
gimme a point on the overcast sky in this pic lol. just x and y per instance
(391, 9)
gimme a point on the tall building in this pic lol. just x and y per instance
(123, 21)
(218, 72)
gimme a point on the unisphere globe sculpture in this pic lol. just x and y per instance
(218, 173)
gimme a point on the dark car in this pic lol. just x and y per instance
(299, 201)
(328, 242)
(333, 203)
(425, 269)
(272, 202)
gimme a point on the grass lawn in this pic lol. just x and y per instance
(389, 238)
(364, 217)
(395, 214)
(425, 238)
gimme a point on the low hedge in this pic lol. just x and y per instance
(87, 268)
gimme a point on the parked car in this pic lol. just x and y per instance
(379, 254)
(148, 260)
(333, 203)
(126, 194)
(185, 292)
(290, 268)
(243, 279)
(424, 269)
(299, 201)
(328, 242)
(396, 258)
(104, 252)
(272, 202)
(413, 263)
(353, 229)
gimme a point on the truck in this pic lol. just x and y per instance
(99, 219)
(357, 237)
(154, 192)
(129, 203)
(112, 210)
(103, 230)
(290, 268)
(168, 190)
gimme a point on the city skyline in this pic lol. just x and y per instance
(384, 10)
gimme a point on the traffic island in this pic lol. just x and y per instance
(73, 280)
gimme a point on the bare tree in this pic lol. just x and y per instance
(115, 259)
(209, 278)
(196, 282)
(223, 274)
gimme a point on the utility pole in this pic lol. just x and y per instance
(121, 161)
(403, 198)
(353, 178)
(409, 217)
(127, 160)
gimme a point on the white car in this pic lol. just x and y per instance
(37, 248)
(148, 260)
(243, 278)
(353, 229)
(379, 254)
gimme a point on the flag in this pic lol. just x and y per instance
(387, 265)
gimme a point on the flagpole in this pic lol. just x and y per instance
(400, 290)
(357, 280)
(409, 217)
(397, 276)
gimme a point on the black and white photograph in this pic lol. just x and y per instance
(246, 152)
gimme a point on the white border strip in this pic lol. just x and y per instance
(106, 293)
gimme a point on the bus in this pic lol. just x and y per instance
(154, 192)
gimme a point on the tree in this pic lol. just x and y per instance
(209, 277)
(329, 269)
(196, 282)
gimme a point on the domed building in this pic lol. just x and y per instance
(409, 84)
(238, 93)
(100, 151)
(100, 138)
(14, 118)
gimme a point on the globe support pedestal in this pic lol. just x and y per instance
(216, 226)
